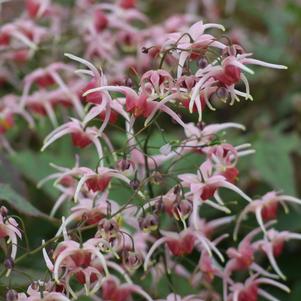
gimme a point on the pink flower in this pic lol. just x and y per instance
(9, 229)
(36, 8)
(99, 180)
(205, 184)
(141, 104)
(81, 136)
(227, 75)
(156, 82)
(180, 244)
(112, 290)
(265, 209)
(243, 258)
(272, 245)
(47, 77)
(89, 211)
(208, 268)
(71, 255)
(250, 290)
(194, 40)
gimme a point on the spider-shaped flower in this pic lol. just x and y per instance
(9, 229)
(265, 208)
(194, 42)
(226, 75)
(205, 184)
(81, 136)
(250, 290)
(272, 245)
(71, 255)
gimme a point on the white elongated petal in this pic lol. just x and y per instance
(58, 204)
(266, 295)
(236, 189)
(258, 212)
(257, 268)
(87, 64)
(95, 111)
(138, 290)
(120, 270)
(49, 263)
(273, 283)
(271, 257)
(214, 25)
(55, 137)
(217, 206)
(264, 64)
(153, 248)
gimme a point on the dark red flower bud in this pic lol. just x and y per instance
(80, 139)
(98, 183)
(32, 8)
(100, 20)
(4, 39)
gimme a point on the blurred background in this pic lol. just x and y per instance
(271, 29)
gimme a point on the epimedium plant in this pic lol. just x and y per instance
(139, 79)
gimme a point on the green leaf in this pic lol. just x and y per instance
(22, 278)
(18, 202)
(272, 160)
(35, 166)
(84, 298)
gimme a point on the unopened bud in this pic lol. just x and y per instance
(132, 260)
(3, 211)
(233, 50)
(144, 50)
(11, 295)
(149, 223)
(157, 177)
(134, 184)
(108, 229)
(176, 190)
(125, 164)
(202, 63)
(182, 209)
(9, 263)
(222, 92)
(128, 82)
(35, 285)
(201, 125)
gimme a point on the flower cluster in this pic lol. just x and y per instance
(151, 77)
